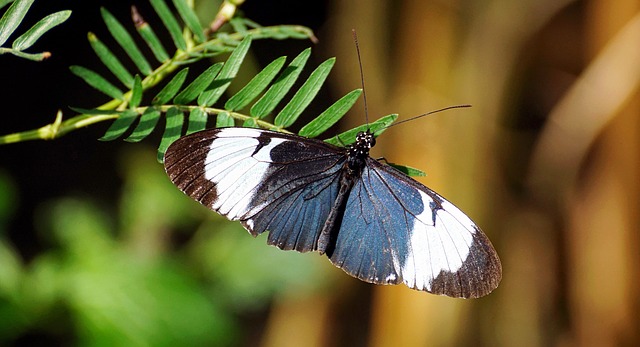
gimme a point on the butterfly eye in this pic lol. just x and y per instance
(371, 140)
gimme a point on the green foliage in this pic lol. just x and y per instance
(118, 280)
(138, 117)
(133, 114)
(13, 17)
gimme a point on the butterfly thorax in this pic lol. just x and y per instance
(359, 151)
(357, 154)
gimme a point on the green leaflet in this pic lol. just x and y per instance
(190, 18)
(197, 121)
(136, 93)
(149, 36)
(408, 170)
(30, 37)
(97, 82)
(256, 86)
(281, 87)
(125, 41)
(305, 94)
(172, 130)
(170, 23)
(171, 89)
(110, 61)
(224, 120)
(12, 18)
(227, 73)
(146, 125)
(195, 88)
(331, 115)
(120, 125)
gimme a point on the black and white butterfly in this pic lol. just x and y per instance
(371, 220)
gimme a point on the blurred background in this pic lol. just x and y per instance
(98, 248)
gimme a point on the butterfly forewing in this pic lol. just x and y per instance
(267, 180)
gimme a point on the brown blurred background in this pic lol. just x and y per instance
(547, 162)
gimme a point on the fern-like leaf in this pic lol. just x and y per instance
(125, 41)
(120, 125)
(127, 107)
(110, 60)
(14, 16)
(227, 73)
(279, 89)
(195, 88)
(305, 94)
(256, 86)
(146, 125)
(136, 93)
(98, 82)
(149, 36)
(190, 18)
(170, 23)
(172, 130)
(209, 86)
(197, 120)
(331, 115)
(172, 88)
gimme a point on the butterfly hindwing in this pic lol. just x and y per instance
(396, 230)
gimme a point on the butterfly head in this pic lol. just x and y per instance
(364, 142)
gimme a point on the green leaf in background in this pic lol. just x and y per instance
(250, 123)
(96, 81)
(197, 121)
(256, 86)
(198, 85)
(136, 92)
(304, 95)
(228, 72)
(280, 87)
(12, 18)
(125, 41)
(408, 170)
(170, 23)
(377, 128)
(120, 125)
(171, 89)
(4, 3)
(27, 39)
(149, 36)
(190, 18)
(172, 131)
(146, 125)
(110, 61)
(331, 115)
(114, 298)
(223, 119)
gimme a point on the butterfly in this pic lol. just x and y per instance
(371, 220)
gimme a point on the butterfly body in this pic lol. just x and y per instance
(371, 220)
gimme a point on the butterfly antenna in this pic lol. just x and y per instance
(428, 113)
(364, 93)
